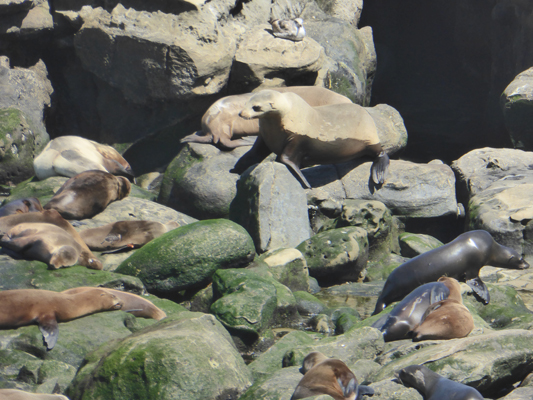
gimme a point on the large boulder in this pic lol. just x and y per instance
(517, 106)
(25, 18)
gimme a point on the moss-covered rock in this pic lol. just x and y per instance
(280, 386)
(390, 390)
(379, 268)
(188, 256)
(309, 304)
(413, 244)
(288, 266)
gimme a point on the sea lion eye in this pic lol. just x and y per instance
(256, 108)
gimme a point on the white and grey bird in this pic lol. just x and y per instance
(291, 29)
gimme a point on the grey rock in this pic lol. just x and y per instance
(413, 244)
(517, 102)
(309, 304)
(521, 393)
(14, 6)
(279, 386)
(391, 129)
(349, 11)
(25, 18)
(390, 390)
(288, 267)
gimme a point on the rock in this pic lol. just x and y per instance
(413, 244)
(322, 324)
(288, 267)
(25, 18)
(14, 6)
(516, 102)
(190, 356)
(390, 390)
(271, 205)
(345, 322)
(187, 257)
(337, 255)
(309, 304)
(391, 129)
(380, 268)
(279, 386)
(349, 11)
(521, 393)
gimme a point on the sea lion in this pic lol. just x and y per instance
(303, 135)
(221, 122)
(131, 303)
(87, 194)
(71, 155)
(14, 394)
(461, 259)
(21, 307)
(120, 234)
(435, 387)
(323, 375)
(25, 205)
(291, 29)
(86, 257)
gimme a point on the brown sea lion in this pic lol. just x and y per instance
(461, 259)
(122, 234)
(87, 194)
(86, 257)
(136, 305)
(25, 205)
(221, 122)
(71, 155)
(21, 307)
(323, 375)
(301, 135)
(14, 394)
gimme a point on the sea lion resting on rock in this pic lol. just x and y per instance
(21, 307)
(118, 235)
(323, 375)
(435, 387)
(71, 155)
(461, 259)
(87, 194)
(303, 135)
(14, 394)
(291, 29)
(221, 122)
(86, 257)
(131, 303)
(25, 205)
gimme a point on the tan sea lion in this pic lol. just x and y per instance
(87, 194)
(323, 375)
(71, 155)
(21, 307)
(136, 305)
(14, 394)
(221, 122)
(122, 234)
(302, 135)
(86, 257)
(25, 205)
(291, 29)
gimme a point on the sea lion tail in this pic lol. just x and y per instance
(380, 167)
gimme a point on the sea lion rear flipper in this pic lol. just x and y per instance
(380, 167)
(363, 390)
(481, 292)
(50, 330)
(349, 388)
(120, 249)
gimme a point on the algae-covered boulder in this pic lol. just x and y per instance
(413, 244)
(337, 255)
(287, 266)
(390, 390)
(280, 386)
(188, 256)
(309, 304)
(190, 356)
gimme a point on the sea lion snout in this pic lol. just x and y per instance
(523, 264)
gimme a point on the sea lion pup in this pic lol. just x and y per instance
(86, 257)
(323, 375)
(131, 303)
(21, 307)
(461, 259)
(25, 205)
(303, 135)
(14, 394)
(291, 29)
(71, 155)
(120, 234)
(221, 122)
(87, 194)
(434, 386)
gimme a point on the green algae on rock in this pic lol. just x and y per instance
(188, 256)
(413, 244)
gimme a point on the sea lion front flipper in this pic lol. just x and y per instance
(50, 330)
(380, 167)
(349, 388)
(363, 390)
(481, 292)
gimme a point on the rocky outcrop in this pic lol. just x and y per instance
(516, 102)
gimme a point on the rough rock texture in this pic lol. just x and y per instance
(391, 129)
(188, 256)
(288, 267)
(389, 390)
(413, 244)
(280, 386)
(517, 101)
(25, 18)
(271, 205)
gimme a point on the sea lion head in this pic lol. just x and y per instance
(265, 102)
(110, 301)
(413, 376)
(506, 257)
(311, 360)
(124, 187)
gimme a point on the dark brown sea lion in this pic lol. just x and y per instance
(120, 234)
(21, 307)
(435, 387)
(323, 375)
(301, 135)
(461, 259)
(221, 122)
(136, 305)
(25, 205)
(14, 394)
(86, 258)
(87, 194)
(71, 155)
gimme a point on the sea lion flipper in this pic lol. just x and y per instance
(363, 390)
(481, 292)
(380, 167)
(50, 330)
(349, 388)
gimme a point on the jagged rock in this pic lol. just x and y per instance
(521, 393)
(413, 244)
(25, 17)
(271, 205)
(191, 342)
(288, 267)
(349, 11)
(14, 6)
(517, 106)
(188, 256)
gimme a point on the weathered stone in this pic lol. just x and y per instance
(391, 129)
(390, 390)
(517, 105)
(322, 324)
(14, 6)
(25, 18)
(337, 255)
(279, 386)
(521, 393)
(309, 304)
(380, 268)
(271, 205)
(288, 267)
(349, 11)
(188, 256)
(413, 244)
